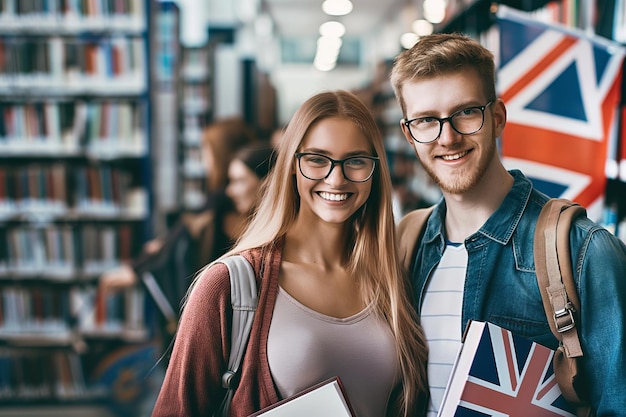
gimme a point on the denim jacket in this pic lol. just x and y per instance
(501, 286)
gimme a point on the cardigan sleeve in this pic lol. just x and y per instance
(192, 383)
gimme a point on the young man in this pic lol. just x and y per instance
(475, 259)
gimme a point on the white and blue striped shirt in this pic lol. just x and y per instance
(441, 320)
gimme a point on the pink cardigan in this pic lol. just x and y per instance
(192, 385)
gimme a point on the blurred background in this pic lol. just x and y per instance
(106, 109)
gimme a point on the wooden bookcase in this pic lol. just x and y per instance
(74, 195)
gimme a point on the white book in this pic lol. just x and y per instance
(326, 399)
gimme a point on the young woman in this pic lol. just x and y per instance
(332, 296)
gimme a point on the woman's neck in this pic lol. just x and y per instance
(316, 242)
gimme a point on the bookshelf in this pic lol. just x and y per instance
(184, 92)
(182, 100)
(165, 70)
(74, 195)
(195, 115)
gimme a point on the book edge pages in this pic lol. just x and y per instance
(462, 363)
(334, 381)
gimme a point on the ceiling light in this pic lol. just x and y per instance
(422, 27)
(337, 7)
(407, 40)
(327, 52)
(324, 66)
(333, 29)
(434, 10)
(328, 44)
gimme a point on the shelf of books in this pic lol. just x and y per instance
(196, 113)
(182, 97)
(74, 192)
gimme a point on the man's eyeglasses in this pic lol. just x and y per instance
(465, 121)
(318, 167)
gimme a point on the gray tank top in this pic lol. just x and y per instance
(305, 347)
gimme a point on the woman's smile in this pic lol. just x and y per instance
(334, 196)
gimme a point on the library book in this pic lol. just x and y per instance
(326, 399)
(500, 373)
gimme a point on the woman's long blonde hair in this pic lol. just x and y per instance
(370, 251)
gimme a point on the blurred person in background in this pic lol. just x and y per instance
(246, 173)
(198, 236)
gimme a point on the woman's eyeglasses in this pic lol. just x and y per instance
(318, 167)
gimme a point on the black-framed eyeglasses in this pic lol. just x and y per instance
(466, 121)
(318, 167)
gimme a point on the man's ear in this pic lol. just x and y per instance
(499, 116)
(406, 133)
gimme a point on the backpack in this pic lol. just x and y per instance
(555, 279)
(244, 301)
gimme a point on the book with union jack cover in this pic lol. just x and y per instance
(499, 373)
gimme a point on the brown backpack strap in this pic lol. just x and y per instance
(409, 232)
(554, 271)
(558, 290)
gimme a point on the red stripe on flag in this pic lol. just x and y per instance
(555, 149)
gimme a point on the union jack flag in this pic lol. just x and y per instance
(503, 374)
(561, 88)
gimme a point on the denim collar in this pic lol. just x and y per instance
(501, 224)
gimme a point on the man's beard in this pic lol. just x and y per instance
(463, 181)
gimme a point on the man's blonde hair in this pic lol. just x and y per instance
(439, 54)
